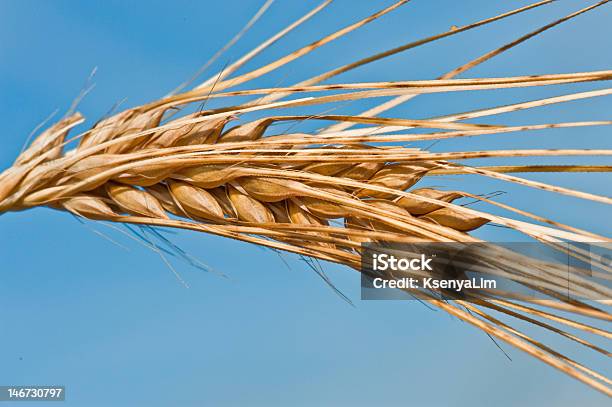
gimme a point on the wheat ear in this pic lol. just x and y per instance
(324, 194)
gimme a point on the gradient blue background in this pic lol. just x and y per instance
(117, 328)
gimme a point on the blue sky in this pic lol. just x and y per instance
(111, 322)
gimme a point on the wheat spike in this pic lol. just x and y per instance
(325, 193)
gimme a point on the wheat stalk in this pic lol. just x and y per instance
(323, 195)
